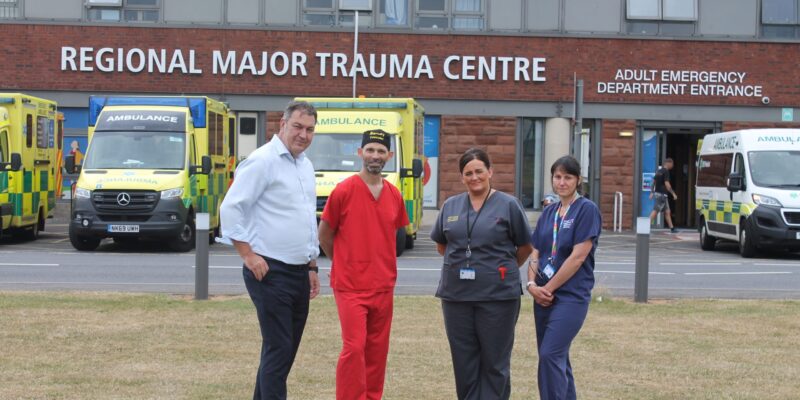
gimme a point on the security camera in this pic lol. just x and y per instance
(765, 100)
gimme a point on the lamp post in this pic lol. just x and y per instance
(356, 6)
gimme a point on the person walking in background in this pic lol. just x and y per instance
(484, 236)
(269, 215)
(561, 277)
(660, 190)
(358, 233)
(548, 199)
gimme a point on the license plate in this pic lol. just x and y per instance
(124, 228)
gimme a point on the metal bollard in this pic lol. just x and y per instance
(642, 259)
(201, 257)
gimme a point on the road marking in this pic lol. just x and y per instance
(28, 265)
(615, 263)
(779, 264)
(321, 268)
(633, 272)
(741, 273)
(701, 264)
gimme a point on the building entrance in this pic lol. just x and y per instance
(680, 144)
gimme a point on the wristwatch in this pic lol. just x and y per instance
(314, 269)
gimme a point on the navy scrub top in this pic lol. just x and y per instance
(500, 229)
(582, 223)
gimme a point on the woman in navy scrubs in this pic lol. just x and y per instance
(561, 277)
(484, 236)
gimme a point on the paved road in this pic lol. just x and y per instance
(678, 268)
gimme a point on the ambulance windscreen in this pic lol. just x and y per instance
(338, 152)
(136, 150)
(778, 169)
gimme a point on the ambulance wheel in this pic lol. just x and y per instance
(82, 243)
(707, 242)
(32, 233)
(401, 241)
(185, 241)
(409, 242)
(747, 247)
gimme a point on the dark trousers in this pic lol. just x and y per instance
(281, 301)
(556, 327)
(481, 336)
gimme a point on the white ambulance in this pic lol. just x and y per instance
(748, 189)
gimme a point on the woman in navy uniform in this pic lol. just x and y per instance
(561, 277)
(484, 236)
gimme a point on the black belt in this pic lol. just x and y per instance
(298, 266)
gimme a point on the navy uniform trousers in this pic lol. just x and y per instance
(481, 336)
(556, 327)
(281, 299)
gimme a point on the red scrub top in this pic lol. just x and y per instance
(364, 257)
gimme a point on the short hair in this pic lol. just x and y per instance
(473, 154)
(668, 161)
(303, 106)
(567, 164)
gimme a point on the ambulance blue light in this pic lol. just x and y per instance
(358, 104)
(197, 106)
(6, 100)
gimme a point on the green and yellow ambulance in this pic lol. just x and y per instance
(334, 150)
(30, 143)
(152, 164)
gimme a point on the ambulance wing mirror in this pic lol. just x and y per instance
(204, 168)
(414, 172)
(16, 162)
(735, 182)
(69, 165)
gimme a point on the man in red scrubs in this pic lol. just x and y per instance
(358, 233)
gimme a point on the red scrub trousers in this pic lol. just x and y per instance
(366, 320)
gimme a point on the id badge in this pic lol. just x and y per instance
(549, 271)
(466, 274)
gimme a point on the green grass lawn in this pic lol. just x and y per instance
(121, 346)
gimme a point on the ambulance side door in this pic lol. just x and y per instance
(740, 197)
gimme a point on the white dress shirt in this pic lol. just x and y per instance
(272, 205)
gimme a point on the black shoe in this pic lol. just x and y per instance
(673, 230)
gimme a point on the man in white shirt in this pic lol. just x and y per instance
(269, 215)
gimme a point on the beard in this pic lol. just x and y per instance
(375, 167)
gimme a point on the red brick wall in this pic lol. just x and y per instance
(617, 171)
(735, 126)
(496, 135)
(594, 60)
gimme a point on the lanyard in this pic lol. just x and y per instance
(469, 230)
(557, 225)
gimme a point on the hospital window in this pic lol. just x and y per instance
(779, 19)
(123, 10)
(327, 13)
(8, 9)
(393, 13)
(661, 17)
(450, 14)
(530, 147)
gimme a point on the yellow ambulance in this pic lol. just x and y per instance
(334, 150)
(30, 141)
(152, 163)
